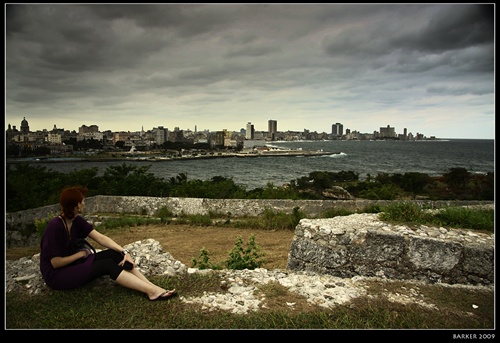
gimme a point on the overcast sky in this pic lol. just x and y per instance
(428, 68)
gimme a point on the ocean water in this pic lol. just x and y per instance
(433, 157)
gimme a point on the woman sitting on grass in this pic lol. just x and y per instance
(61, 269)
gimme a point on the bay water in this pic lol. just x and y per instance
(432, 157)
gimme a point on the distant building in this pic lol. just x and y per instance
(222, 138)
(387, 132)
(250, 133)
(161, 135)
(337, 129)
(88, 132)
(272, 128)
(25, 128)
(121, 136)
(54, 138)
(88, 129)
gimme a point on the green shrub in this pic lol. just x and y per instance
(402, 211)
(245, 258)
(381, 192)
(196, 219)
(240, 257)
(281, 220)
(335, 212)
(457, 217)
(165, 214)
(41, 224)
(127, 221)
(372, 208)
(460, 217)
(203, 261)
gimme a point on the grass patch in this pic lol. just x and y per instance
(124, 221)
(269, 220)
(102, 307)
(405, 213)
(473, 219)
(408, 213)
(451, 305)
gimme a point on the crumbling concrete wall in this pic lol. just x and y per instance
(360, 244)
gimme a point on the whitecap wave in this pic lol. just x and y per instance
(339, 155)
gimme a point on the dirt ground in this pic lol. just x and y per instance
(185, 242)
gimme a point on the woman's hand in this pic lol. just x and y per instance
(86, 252)
(127, 262)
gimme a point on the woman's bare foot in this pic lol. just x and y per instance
(162, 295)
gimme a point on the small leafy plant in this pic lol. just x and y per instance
(203, 261)
(248, 257)
(240, 257)
(41, 224)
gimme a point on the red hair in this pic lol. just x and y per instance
(70, 198)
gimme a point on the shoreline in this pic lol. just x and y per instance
(157, 158)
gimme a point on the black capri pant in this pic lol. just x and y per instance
(106, 263)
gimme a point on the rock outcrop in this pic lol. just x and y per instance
(337, 193)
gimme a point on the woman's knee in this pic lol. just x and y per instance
(106, 267)
(115, 273)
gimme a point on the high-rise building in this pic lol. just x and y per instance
(272, 128)
(250, 133)
(337, 129)
(161, 135)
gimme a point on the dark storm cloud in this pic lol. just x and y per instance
(441, 31)
(253, 61)
(466, 26)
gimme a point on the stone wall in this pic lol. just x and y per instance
(362, 245)
(20, 226)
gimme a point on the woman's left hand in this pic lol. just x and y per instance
(127, 258)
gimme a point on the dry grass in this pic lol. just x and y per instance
(185, 242)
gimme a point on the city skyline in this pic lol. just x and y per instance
(426, 67)
(272, 127)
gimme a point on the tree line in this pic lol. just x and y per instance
(31, 186)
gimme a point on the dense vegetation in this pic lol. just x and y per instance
(30, 186)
